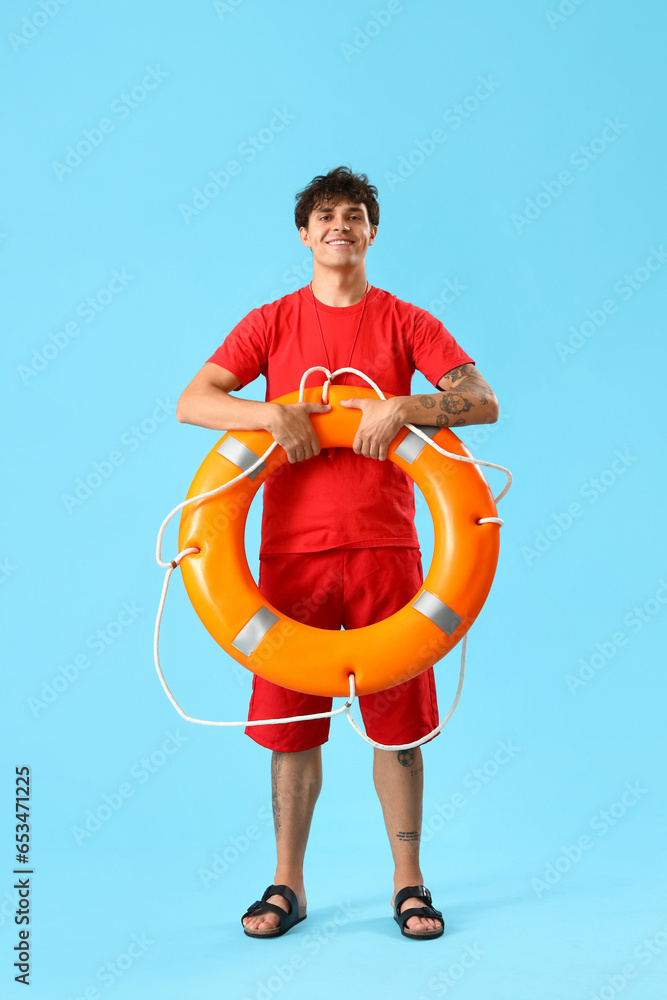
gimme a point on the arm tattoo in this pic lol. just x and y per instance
(451, 400)
(467, 373)
(454, 402)
(459, 374)
(406, 757)
(408, 834)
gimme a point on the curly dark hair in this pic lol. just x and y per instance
(340, 183)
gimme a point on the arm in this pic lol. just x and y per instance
(206, 402)
(466, 399)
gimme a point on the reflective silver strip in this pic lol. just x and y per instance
(239, 453)
(435, 609)
(252, 634)
(412, 445)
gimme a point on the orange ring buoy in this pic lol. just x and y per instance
(319, 661)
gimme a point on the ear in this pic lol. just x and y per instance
(304, 237)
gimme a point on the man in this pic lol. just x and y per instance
(339, 545)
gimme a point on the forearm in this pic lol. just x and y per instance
(451, 408)
(218, 410)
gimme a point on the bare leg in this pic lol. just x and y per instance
(399, 783)
(296, 780)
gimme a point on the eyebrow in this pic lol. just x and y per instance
(328, 208)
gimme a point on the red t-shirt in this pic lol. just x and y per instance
(338, 499)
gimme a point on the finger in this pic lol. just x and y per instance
(357, 445)
(315, 447)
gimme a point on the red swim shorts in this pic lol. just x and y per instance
(330, 589)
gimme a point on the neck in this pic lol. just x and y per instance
(339, 288)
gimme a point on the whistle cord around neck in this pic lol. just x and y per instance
(354, 342)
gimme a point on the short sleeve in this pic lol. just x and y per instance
(244, 349)
(435, 352)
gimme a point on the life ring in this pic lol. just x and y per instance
(320, 661)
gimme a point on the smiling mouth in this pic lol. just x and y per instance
(340, 243)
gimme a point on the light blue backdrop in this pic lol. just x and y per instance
(519, 153)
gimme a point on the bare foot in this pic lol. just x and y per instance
(269, 921)
(418, 925)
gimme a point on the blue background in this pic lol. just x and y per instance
(562, 668)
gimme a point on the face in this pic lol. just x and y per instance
(339, 235)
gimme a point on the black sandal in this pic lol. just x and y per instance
(416, 911)
(287, 919)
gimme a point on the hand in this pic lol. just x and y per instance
(291, 427)
(380, 423)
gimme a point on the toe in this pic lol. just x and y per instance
(269, 920)
(261, 923)
(419, 925)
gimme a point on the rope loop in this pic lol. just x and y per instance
(175, 563)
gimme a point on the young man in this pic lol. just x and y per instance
(339, 546)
